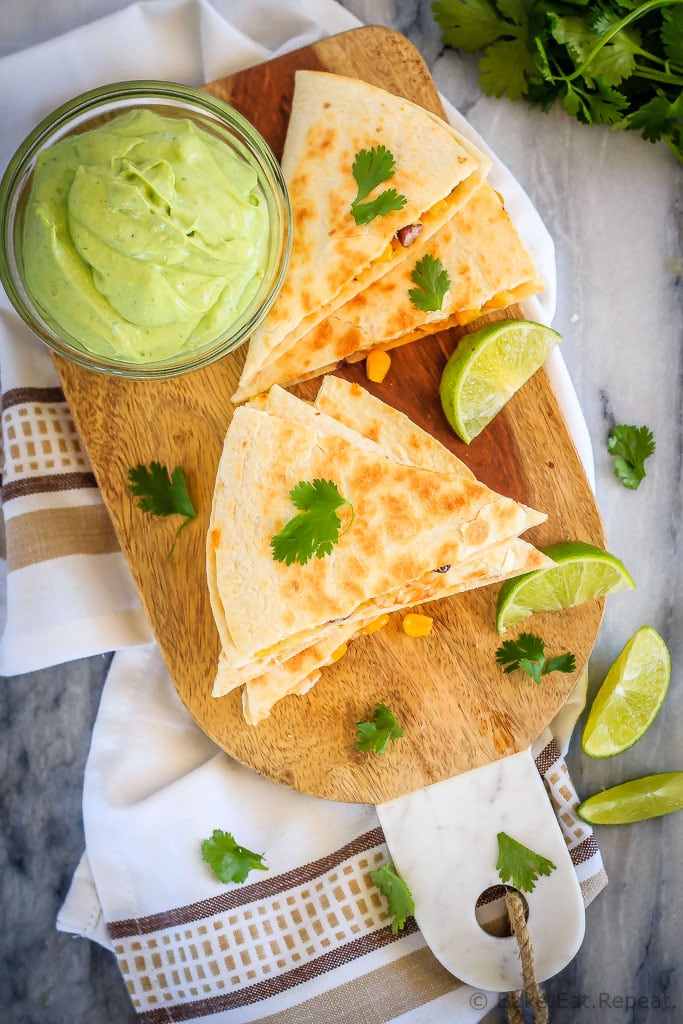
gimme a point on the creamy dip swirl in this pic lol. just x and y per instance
(144, 237)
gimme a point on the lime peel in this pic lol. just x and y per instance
(488, 367)
(648, 797)
(583, 572)
(630, 697)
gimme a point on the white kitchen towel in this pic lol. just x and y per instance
(308, 940)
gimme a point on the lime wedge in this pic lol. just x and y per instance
(486, 369)
(649, 797)
(583, 572)
(632, 693)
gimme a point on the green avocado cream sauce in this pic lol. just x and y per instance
(144, 237)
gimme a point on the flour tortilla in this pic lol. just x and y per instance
(501, 561)
(488, 266)
(353, 406)
(333, 118)
(407, 521)
(261, 693)
(349, 411)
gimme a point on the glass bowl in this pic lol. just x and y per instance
(221, 327)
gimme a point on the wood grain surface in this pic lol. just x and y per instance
(457, 708)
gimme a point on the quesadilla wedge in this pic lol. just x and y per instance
(333, 120)
(350, 411)
(262, 692)
(407, 521)
(501, 561)
(488, 268)
(353, 406)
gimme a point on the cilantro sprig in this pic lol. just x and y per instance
(629, 447)
(374, 736)
(372, 167)
(527, 652)
(432, 280)
(616, 63)
(399, 897)
(520, 865)
(316, 529)
(162, 494)
(230, 861)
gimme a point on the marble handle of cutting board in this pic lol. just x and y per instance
(443, 843)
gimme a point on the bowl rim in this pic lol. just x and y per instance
(140, 92)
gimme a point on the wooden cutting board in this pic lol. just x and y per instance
(458, 710)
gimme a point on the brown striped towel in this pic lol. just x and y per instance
(69, 593)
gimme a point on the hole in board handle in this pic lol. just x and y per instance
(491, 913)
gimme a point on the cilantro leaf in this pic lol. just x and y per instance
(527, 652)
(657, 119)
(672, 34)
(385, 203)
(619, 62)
(315, 530)
(613, 63)
(629, 447)
(505, 68)
(605, 105)
(398, 895)
(470, 25)
(162, 494)
(230, 861)
(432, 280)
(372, 167)
(375, 735)
(520, 865)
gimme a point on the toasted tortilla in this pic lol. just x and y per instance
(262, 692)
(488, 266)
(407, 522)
(333, 118)
(353, 406)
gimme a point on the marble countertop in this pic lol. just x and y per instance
(610, 203)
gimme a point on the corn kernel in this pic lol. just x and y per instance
(376, 624)
(499, 301)
(417, 625)
(377, 366)
(466, 316)
(339, 653)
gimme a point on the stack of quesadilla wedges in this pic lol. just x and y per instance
(422, 528)
(348, 287)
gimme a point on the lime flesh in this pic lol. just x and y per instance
(630, 697)
(486, 369)
(648, 797)
(583, 572)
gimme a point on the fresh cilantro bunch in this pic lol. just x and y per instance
(375, 735)
(162, 494)
(528, 653)
(520, 865)
(398, 895)
(230, 861)
(629, 447)
(615, 62)
(372, 167)
(432, 280)
(315, 530)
